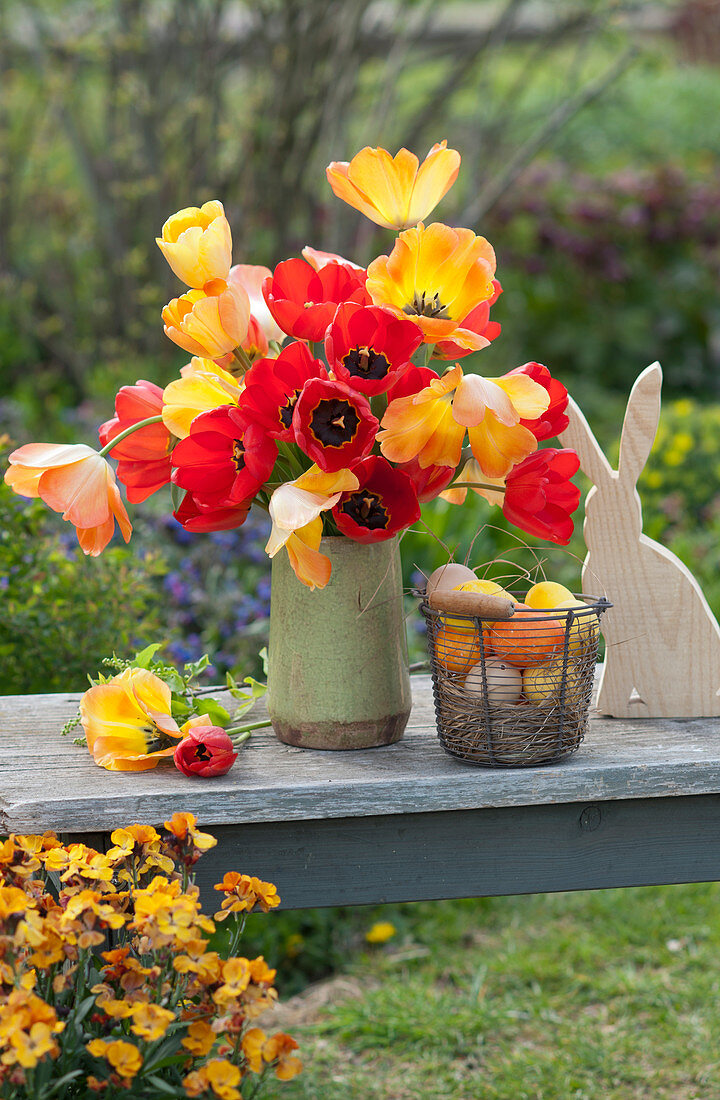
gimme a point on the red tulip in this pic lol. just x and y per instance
(554, 420)
(333, 424)
(272, 386)
(196, 516)
(206, 751)
(429, 482)
(368, 347)
(144, 464)
(411, 381)
(303, 301)
(384, 503)
(539, 495)
(221, 462)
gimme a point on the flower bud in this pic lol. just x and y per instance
(197, 244)
(206, 751)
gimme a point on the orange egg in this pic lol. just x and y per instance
(456, 645)
(528, 638)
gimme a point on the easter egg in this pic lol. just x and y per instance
(542, 684)
(528, 638)
(504, 681)
(448, 576)
(486, 587)
(457, 647)
(584, 629)
(548, 594)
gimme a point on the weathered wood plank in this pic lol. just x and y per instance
(474, 853)
(46, 782)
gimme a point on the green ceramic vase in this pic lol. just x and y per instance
(338, 674)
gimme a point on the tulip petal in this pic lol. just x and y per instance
(529, 398)
(498, 447)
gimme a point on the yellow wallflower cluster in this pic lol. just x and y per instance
(161, 1010)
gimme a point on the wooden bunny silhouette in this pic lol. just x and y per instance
(662, 640)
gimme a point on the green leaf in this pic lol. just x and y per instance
(85, 1006)
(173, 680)
(143, 659)
(256, 687)
(263, 655)
(215, 711)
(162, 1086)
(64, 1080)
(177, 495)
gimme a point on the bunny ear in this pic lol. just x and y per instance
(579, 436)
(640, 425)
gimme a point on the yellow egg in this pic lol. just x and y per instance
(542, 684)
(504, 681)
(584, 629)
(548, 594)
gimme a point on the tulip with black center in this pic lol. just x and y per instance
(384, 503)
(333, 424)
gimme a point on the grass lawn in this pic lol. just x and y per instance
(585, 996)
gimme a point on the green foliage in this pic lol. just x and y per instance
(61, 612)
(604, 275)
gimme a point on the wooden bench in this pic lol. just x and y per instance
(638, 804)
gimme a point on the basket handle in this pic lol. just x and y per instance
(477, 604)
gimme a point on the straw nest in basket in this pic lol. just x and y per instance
(497, 703)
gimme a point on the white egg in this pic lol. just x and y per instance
(445, 577)
(504, 681)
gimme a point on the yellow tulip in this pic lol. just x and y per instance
(209, 325)
(127, 721)
(436, 276)
(202, 386)
(197, 244)
(395, 192)
(295, 511)
(431, 425)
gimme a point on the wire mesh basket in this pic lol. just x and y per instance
(512, 686)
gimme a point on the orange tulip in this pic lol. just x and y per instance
(77, 481)
(209, 325)
(197, 244)
(430, 425)
(395, 192)
(436, 276)
(127, 721)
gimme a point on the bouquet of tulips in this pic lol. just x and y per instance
(160, 1012)
(312, 393)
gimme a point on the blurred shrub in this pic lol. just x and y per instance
(61, 612)
(680, 490)
(605, 275)
(215, 591)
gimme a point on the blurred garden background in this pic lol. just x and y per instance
(590, 137)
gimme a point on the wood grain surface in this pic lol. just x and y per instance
(47, 782)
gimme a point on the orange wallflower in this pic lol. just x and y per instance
(430, 425)
(436, 276)
(206, 324)
(77, 481)
(127, 721)
(197, 244)
(395, 192)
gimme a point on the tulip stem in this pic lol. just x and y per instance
(243, 732)
(242, 358)
(128, 431)
(477, 485)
